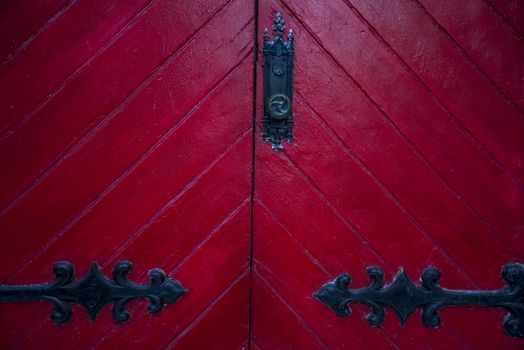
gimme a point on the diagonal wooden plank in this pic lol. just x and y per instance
(326, 161)
(485, 46)
(99, 128)
(517, 123)
(315, 261)
(95, 157)
(160, 168)
(120, 192)
(179, 264)
(277, 184)
(204, 283)
(131, 168)
(73, 38)
(228, 253)
(49, 135)
(54, 91)
(180, 230)
(389, 219)
(172, 203)
(178, 222)
(281, 200)
(278, 259)
(415, 194)
(217, 227)
(389, 239)
(306, 252)
(442, 98)
(239, 211)
(477, 181)
(193, 134)
(471, 94)
(186, 240)
(24, 21)
(209, 331)
(329, 148)
(511, 11)
(179, 227)
(462, 90)
(355, 120)
(265, 219)
(287, 328)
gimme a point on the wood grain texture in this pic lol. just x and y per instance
(143, 154)
(126, 133)
(511, 11)
(22, 21)
(60, 52)
(488, 41)
(408, 152)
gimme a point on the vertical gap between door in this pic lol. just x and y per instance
(254, 118)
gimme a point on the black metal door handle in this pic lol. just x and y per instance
(277, 122)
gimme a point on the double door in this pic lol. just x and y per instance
(131, 130)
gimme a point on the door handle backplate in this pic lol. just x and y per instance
(277, 122)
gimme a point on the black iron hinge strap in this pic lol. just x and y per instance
(404, 297)
(94, 290)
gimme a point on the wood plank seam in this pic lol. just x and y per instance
(114, 328)
(205, 312)
(5, 134)
(455, 119)
(318, 263)
(481, 147)
(387, 263)
(351, 227)
(170, 131)
(347, 222)
(37, 32)
(158, 214)
(254, 118)
(414, 148)
(315, 261)
(393, 198)
(169, 204)
(450, 37)
(230, 216)
(503, 17)
(97, 126)
(294, 312)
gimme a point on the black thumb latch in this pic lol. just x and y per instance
(277, 122)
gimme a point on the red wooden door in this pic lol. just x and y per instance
(127, 133)
(408, 152)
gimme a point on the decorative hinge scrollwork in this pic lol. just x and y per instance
(404, 297)
(94, 290)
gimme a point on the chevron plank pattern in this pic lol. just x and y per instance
(408, 152)
(126, 133)
(129, 137)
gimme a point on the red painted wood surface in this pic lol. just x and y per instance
(125, 133)
(408, 152)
